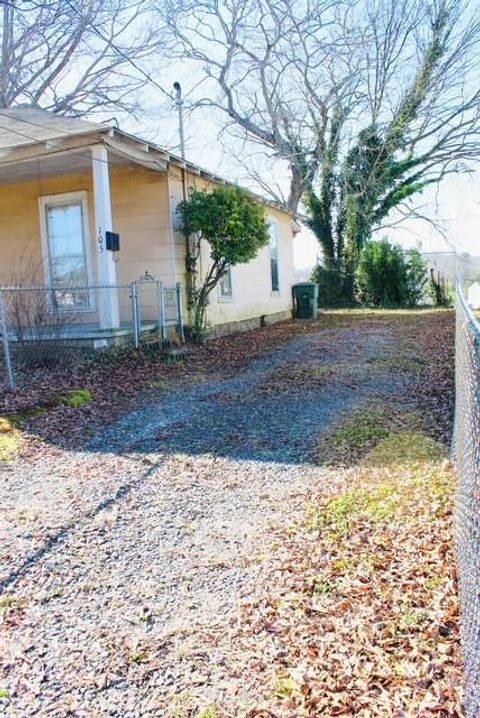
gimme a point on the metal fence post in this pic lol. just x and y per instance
(162, 323)
(6, 345)
(180, 311)
(135, 315)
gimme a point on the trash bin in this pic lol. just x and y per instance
(305, 300)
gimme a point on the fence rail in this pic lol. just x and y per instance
(466, 453)
(41, 326)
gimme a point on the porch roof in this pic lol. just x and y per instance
(27, 126)
(34, 141)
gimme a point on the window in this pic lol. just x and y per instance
(65, 240)
(273, 245)
(225, 290)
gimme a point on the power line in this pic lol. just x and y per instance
(111, 44)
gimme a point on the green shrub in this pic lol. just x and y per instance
(389, 276)
(231, 222)
(335, 287)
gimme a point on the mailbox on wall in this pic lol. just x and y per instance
(112, 241)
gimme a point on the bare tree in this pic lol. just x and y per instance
(274, 67)
(74, 56)
(308, 79)
(419, 122)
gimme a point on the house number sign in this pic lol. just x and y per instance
(100, 240)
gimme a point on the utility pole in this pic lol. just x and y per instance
(179, 104)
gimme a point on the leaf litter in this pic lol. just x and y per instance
(354, 608)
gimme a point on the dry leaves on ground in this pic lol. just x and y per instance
(360, 616)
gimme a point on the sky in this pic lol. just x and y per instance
(453, 208)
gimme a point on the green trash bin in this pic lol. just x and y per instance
(305, 300)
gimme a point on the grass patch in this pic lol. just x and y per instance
(8, 600)
(360, 432)
(20, 418)
(76, 398)
(138, 657)
(286, 687)
(407, 364)
(405, 448)
(323, 588)
(208, 713)
(10, 440)
(413, 464)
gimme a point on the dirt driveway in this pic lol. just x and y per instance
(119, 562)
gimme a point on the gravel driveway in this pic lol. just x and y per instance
(122, 564)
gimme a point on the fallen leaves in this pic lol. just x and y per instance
(355, 611)
(361, 617)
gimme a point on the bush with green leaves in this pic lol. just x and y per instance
(389, 276)
(441, 291)
(335, 288)
(416, 279)
(233, 225)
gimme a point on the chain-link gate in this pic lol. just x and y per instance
(466, 452)
(46, 327)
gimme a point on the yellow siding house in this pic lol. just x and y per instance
(69, 190)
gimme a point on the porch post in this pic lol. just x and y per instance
(107, 275)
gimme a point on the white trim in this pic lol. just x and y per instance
(107, 271)
(59, 200)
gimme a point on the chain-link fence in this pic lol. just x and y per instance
(44, 327)
(466, 451)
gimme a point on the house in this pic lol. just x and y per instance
(87, 209)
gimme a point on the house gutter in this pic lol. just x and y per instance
(172, 235)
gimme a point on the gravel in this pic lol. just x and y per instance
(118, 563)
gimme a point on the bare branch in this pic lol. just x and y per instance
(74, 57)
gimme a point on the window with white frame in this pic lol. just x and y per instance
(225, 289)
(66, 244)
(273, 247)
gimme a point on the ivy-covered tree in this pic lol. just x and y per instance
(387, 164)
(281, 75)
(233, 224)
